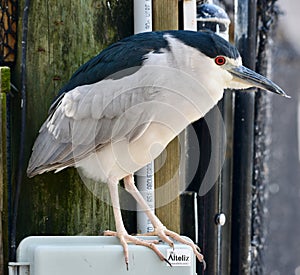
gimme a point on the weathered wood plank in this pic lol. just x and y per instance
(62, 35)
(165, 14)
(4, 88)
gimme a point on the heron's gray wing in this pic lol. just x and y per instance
(85, 120)
(64, 129)
(125, 56)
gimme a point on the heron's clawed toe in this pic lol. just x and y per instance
(125, 238)
(165, 234)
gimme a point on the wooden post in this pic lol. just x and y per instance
(62, 35)
(4, 88)
(165, 17)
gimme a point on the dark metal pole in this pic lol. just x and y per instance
(19, 176)
(226, 186)
(209, 204)
(245, 39)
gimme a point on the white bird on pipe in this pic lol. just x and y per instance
(121, 109)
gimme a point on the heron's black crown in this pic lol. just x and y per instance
(207, 42)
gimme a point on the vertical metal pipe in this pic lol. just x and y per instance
(226, 186)
(145, 176)
(189, 15)
(245, 39)
(189, 200)
(223, 217)
(142, 16)
(145, 184)
(19, 176)
(189, 215)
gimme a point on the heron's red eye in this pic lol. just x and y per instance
(220, 60)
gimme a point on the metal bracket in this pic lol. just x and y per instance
(20, 268)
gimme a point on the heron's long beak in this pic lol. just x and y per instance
(254, 79)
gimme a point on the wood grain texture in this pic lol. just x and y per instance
(62, 35)
(4, 88)
(165, 14)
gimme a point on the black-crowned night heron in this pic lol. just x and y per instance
(121, 109)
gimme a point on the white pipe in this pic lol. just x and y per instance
(196, 217)
(190, 23)
(145, 176)
(145, 184)
(190, 15)
(142, 15)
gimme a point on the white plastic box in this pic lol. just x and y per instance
(85, 255)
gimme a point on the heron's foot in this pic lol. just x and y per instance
(125, 238)
(165, 234)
